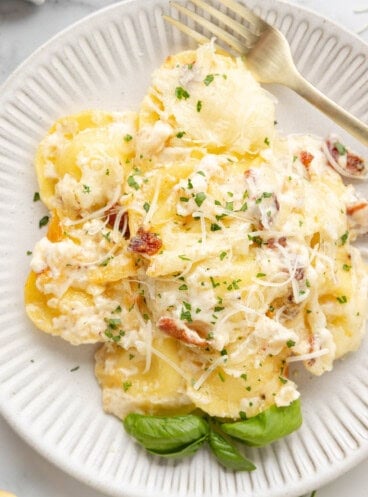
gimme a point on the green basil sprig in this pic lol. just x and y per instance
(227, 454)
(178, 436)
(268, 426)
(165, 435)
(186, 450)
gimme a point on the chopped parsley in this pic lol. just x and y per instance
(181, 93)
(105, 262)
(127, 385)
(74, 369)
(244, 376)
(107, 172)
(200, 198)
(221, 376)
(86, 189)
(146, 206)
(234, 285)
(267, 141)
(112, 323)
(342, 299)
(215, 227)
(199, 105)
(184, 199)
(242, 415)
(290, 343)
(264, 195)
(183, 287)
(344, 238)
(244, 207)
(208, 79)
(260, 275)
(36, 197)
(283, 380)
(255, 239)
(180, 134)
(29, 252)
(43, 221)
(223, 255)
(184, 258)
(346, 267)
(185, 314)
(132, 182)
(128, 138)
(340, 148)
(114, 338)
(213, 282)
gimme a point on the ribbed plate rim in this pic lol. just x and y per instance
(307, 485)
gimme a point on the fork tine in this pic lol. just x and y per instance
(231, 23)
(220, 33)
(245, 12)
(185, 29)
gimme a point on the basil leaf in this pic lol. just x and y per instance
(166, 434)
(268, 426)
(227, 454)
(187, 450)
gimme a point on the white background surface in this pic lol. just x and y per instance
(24, 27)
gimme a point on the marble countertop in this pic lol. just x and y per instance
(23, 28)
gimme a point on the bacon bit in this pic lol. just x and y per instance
(354, 163)
(180, 331)
(333, 150)
(145, 242)
(111, 216)
(306, 158)
(299, 274)
(270, 314)
(277, 204)
(352, 209)
(271, 242)
(248, 173)
(312, 343)
(358, 217)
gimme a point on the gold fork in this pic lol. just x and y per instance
(267, 52)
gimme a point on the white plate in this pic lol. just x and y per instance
(105, 61)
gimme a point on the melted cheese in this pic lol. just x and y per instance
(247, 258)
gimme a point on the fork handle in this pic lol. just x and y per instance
(351, 124)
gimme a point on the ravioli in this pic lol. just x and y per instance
(190, 239)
